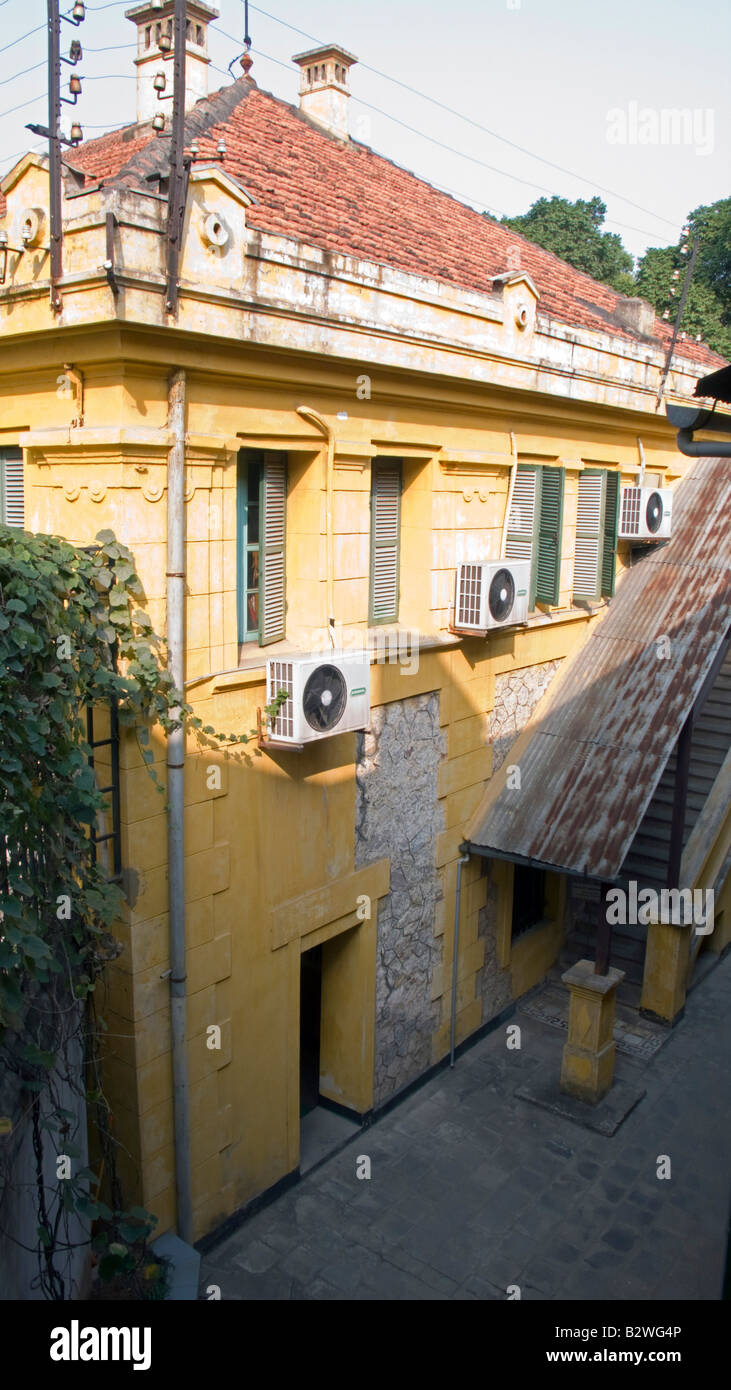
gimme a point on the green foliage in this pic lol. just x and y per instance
(73, 635)
(573, 232)
(708, 306)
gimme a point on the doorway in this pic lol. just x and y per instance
(310, 1016)
(325, 1124)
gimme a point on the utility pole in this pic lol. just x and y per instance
(179, 169)
(54, 148)
(676, 329)
(52, 132)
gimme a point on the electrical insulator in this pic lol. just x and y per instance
(77, 133)
(221, 149)
(79, 11)
(75, 85)
(158, 122)
(666, 314)
(164, 43)
(75, 52)
(159, 81)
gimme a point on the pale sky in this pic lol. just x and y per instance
(583, 86)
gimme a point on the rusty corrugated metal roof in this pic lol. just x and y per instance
(590, 763)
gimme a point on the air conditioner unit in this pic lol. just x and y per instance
(328, 693)
(491, 595)
(645, 513)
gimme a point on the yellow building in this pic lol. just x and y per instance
(376, 385)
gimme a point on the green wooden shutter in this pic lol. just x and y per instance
(609, 554)
(589, 534)
(12, 498)
(548, 562)
(273, 515)
(525, 508)
(385, 541)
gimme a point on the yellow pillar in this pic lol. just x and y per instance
(587, 1067)
(665, 977)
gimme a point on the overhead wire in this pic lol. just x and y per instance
(495, 135)
(503, 173)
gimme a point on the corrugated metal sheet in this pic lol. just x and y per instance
(591, 766)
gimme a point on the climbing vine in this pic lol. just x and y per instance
(73, 636)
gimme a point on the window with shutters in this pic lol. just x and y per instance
(595, 552)
(12, 497)
(534, 528)
(261, 528)
(385, 540)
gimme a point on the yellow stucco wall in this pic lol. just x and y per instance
(397, 367)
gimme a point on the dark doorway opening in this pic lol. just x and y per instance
(310, 1014)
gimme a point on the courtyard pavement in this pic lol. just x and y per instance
(473, 1189)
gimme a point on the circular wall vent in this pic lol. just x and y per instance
(215, 232)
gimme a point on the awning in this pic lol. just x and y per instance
(590, 761)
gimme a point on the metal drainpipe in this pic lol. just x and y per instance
(308, 413)
(175, 594)
(453, 1021)
(511, 490)
(702, 449)
(641, 450)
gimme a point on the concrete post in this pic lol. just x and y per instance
(587, 1066)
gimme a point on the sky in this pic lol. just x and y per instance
(581, 88)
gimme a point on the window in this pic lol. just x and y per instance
(596, 534)
(12, 499)
(385, 540)
(529, 899)
(534, 528)
(261, 524)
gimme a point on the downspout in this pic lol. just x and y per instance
(641, 449)
(511, 490)
(308, 413)
(175, 631)
(453, 1020)
(702, 449)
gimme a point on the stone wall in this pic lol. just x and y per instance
(516, 695)
(398, 815)
(492, 983)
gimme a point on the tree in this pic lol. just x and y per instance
(573, 232)
(708, 306)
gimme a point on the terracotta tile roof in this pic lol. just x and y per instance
(343, 197)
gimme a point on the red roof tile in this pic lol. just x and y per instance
(343, 197)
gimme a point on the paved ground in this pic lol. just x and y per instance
(473, 1189)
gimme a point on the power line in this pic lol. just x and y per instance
(23, 36)
(610, 221)
(41, 97)
(24, 73)
(484, 129)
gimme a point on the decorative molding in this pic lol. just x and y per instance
(472, 463)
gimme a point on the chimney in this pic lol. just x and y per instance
(636, 314)
(324, 91)
(154, 21)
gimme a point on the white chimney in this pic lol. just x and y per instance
(324, 91)
(154, 20)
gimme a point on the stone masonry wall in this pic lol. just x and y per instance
(398, 815)
(516, 695)
(492, 984)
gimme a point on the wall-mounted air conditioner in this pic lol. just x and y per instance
(328, 693)
(491, 595)
(645, 513)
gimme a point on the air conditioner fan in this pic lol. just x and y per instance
(324, 698)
